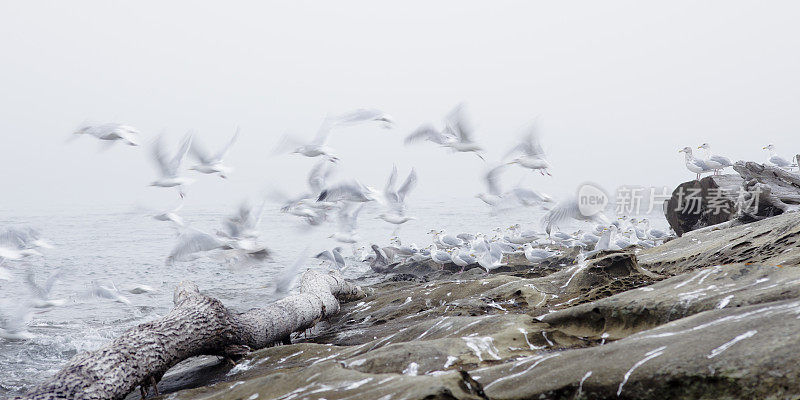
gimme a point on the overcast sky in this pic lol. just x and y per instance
(619, 88)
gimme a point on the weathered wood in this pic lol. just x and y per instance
(197, 325)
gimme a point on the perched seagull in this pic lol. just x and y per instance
(457, 134)
(440, 238)
(334, 257)
(536, 255)
(463, 258)
(653, 233)
(318, 146)
(607, 240)
(41, 294)
(693, 164)
(775, 159)
(395, 198)
(491, 260)
(212, 163)
(14, 323)
(716, 162)
(111, 132)
(170, 167)
(531, 154)
(439, 256)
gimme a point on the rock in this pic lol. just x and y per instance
(773, 241)
(696, 204)
(712, 314)
(757, 192)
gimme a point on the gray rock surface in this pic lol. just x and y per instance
(711, 315)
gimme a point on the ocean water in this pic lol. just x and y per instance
(128, 248)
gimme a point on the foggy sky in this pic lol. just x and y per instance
(619, 88)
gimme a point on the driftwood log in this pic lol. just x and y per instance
(197, 325)
(756, 192)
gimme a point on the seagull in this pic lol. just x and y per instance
(493, 194)
(439, 256)
(334, 257)
(348, 219)
(530, 197)
(381, 261)
(491, 260)
(457, 134)
(42, 293)
(463, 258)
(652, 233)
(365, 115)
(110, 293)
(284, 281)
(693, 164)
(395, 198)
(14, 323)
(444, 240)
(111, 132)
(318, 146)
(352, 191)
(193, 244)
(171, 216)
(531, 153)
(170, 167)
(716, 162)
(240, 232)
(568, 210)
(775, 159)
(536, 255)
(607, 240)
(212, 163)
(23, 238)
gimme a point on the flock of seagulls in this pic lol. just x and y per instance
(715, 163)
(490, 252)
(238, 241)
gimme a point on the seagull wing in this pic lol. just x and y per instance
(407, 186)
(318, 175)
(425, 132)
(324, 131)
(201, 153)
(284, 281)
(326, 256)
(224, 151)
(358, 116)
(460, 125)
(493, 180)
(342, 191)
(194, 241)
(390, 183)
(175, 163)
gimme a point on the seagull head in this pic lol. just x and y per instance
(704, 146)
(769, 147)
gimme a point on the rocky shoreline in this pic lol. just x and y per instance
(712, 314)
